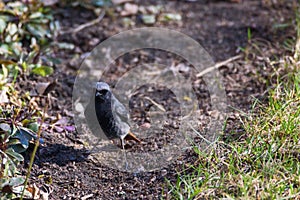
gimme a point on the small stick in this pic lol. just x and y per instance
(160, 107)
(218, 65)
(37, 143)
(85, 25)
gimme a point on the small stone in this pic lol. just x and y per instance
(94, 41)
(164, 172)
(129, 9)
(148, 19)
(145, 125)
(79, 107)
(120, 1)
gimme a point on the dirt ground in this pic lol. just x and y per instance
(65, 168)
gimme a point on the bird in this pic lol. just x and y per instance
(111, 114)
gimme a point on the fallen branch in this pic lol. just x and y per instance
(85, 25)
(218, 65)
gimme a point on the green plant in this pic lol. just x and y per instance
(25, 29)
(264, 162)
(15, 138)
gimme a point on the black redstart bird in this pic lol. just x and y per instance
(112, 116)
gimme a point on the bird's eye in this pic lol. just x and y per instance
(101, 92)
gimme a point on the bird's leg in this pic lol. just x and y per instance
(123, 143)
(124, 151)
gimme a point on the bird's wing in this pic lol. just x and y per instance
(119, 109)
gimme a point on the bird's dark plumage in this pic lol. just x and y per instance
(112, 116)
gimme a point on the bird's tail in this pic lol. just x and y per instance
(131, 136)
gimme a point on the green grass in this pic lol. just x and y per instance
(264, 162)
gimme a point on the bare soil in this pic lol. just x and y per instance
(65, 167)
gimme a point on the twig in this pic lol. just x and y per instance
(160, 107)
(218, 65)
(297, 50)
(203, 138)
(87, 196)
(37, 143)
(85, 25)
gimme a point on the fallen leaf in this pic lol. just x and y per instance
(5, 127)
(34, 190)
(3, 96)
(41, 87)
(62, 121)
(70, 128)
(58, 129)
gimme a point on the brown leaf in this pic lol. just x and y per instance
(43, 88)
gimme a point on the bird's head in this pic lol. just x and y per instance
(102, 91)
